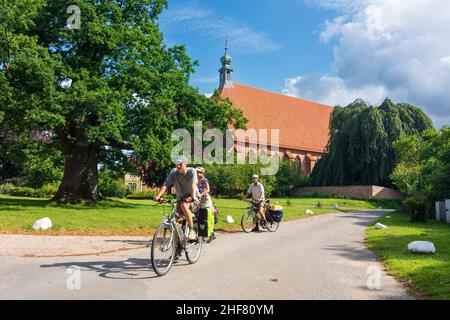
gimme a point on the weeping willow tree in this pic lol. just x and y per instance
(360, 150)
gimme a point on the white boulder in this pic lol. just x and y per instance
(336, 206)
(42, 224)
(380, 226)
(309, 212)
(230, 219)
(422, 247)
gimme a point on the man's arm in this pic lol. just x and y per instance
(160, 193)
(194, 191)
(249, 192)
(169, 182)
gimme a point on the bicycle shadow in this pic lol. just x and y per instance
(129, 269)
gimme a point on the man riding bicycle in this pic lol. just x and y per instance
(256, 191)
(185, 181)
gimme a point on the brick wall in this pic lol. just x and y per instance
(356, 192)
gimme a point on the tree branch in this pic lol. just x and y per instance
(120, 145)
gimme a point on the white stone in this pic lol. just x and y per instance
(309, 212)
(422, 247)
(230, 219)
(380, 226)
(42, 224)
(336, 206)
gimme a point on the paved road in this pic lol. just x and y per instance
(318, 258)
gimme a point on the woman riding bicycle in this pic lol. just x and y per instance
(206, 212)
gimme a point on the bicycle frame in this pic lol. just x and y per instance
(170, 222)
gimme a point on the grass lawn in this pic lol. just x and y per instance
(428, 275)
(135, 217)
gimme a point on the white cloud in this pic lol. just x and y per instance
(332, 29)
(192, 18)
(331, 90)
(389, 48)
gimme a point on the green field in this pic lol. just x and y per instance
(135, 217)
(427, 275)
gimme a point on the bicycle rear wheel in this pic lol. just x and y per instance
(273, 226)
(163, 250)
(194, 248)
(248, 221)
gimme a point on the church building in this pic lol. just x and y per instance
(303, 125)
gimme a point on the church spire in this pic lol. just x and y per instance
(226, 71)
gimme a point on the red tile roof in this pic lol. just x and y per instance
(303, 125)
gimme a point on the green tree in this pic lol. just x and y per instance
(361, 147)
(110, 85)
(423, 171)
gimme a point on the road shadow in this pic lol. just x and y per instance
(129, 269)
(140, 243)
(352, 253)
(362, 218)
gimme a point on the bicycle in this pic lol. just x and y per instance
(253, 218)
(170, 240)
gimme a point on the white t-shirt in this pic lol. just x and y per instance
(257, 191)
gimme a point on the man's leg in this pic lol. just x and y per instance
(186, 207)
(261, 210)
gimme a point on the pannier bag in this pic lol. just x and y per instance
(276, 213)
(205, 222)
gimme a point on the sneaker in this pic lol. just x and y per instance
(178, 254)
(213, 237)
(255, 229)
(192, 236)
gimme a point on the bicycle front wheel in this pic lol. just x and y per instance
(194, 248)
(163, 250)
(248, 221)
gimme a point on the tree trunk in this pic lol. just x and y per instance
(80, 180)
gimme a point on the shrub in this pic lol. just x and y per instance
(110, 185)
(112, 188)
(6, 188)
(24, 192)
(146, 195)
(47, 191)
(417, 206)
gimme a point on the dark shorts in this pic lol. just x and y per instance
(181, 201)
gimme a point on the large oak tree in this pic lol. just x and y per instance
(109, 86)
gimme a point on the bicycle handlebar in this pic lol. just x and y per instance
(164, 201)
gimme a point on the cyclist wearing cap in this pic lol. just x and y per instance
(256, 191)
(206, 204)
(185, 181)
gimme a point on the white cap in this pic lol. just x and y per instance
(255, 176)
(200, 169)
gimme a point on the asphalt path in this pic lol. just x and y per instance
(322, 257)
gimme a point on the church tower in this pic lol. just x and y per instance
(226, 71)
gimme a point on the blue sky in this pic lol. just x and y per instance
(329, 51)
(277, 53)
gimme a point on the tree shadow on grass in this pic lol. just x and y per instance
(14, 204)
